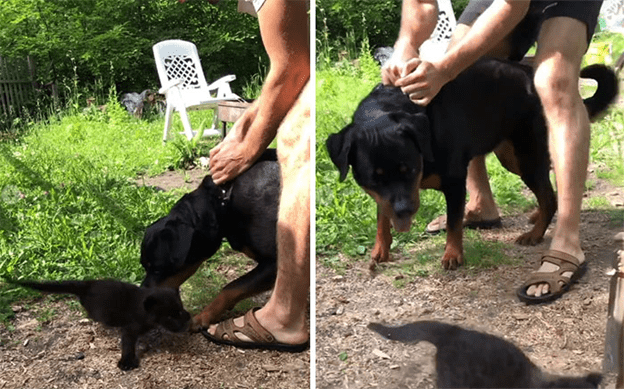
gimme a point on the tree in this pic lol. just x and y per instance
(111, 40)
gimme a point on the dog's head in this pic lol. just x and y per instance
(174, 246)
(172, 250)
(386, 145)
(164, 307)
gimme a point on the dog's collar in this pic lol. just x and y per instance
(226, 193)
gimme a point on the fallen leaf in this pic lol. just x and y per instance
(381, 354)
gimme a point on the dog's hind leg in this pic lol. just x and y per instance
(534, 163)
(539, 183)
(507, 157)
(259, 279)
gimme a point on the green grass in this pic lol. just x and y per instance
(607, 147)
(70, 207)
(206, 283)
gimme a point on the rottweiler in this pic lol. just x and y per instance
(118, 304)
(471, 359)
(243, 211)
(396, 147)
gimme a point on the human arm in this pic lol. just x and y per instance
(422, 80)
(283, 27)
(418, 20)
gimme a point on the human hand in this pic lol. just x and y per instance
(393, 68)
(230, 158)
(422, 80)
(391, 72)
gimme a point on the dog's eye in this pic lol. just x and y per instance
(379, 171)
(403, 169)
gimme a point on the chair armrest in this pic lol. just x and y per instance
(168, 85)
(222, 81)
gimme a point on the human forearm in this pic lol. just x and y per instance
(489, 29)
(418, 20)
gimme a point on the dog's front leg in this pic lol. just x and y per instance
(455, 195)
(259, 279)
(383, 240)
(129, 359)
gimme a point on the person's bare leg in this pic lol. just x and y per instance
(561, 45)
(284, 315)
(481, 204)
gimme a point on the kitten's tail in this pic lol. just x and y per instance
(428, 331)
(78, 288)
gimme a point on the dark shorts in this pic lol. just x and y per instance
(527, 31)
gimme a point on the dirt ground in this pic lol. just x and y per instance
(566, 337)
(66, 350)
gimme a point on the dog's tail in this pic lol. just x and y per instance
(428, 331)
(607, 88)
(79, 288)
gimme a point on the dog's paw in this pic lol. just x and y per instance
(128, 363)
(452, 262)
(379, 255)
(200, 321)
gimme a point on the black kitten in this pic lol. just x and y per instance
(470, 359)
(117, 304)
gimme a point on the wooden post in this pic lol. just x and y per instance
(614, 339)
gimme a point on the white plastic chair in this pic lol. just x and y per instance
(184, 84)
(434, 47)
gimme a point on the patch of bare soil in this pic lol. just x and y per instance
(185, 179)
(68, 351)
(565, 337)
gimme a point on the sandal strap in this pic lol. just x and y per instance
(553, 279)
(250, 328)
(260, 334)
(560, 258)
(566, 263)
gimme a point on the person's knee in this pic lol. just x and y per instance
(556, 82)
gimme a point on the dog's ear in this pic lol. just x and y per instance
(339, 146)
(175, 239)
(416, 127)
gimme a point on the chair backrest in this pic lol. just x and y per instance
(436, 45)
(178, 60)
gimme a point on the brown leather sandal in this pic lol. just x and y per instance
(558, 284)
(259, 336)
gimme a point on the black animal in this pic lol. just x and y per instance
(244, 212)
(470, 359)
(117, 304)
(396, 147)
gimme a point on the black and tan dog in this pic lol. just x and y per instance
(244, 212)
(396, 147)
(117, 304)
(471, 359)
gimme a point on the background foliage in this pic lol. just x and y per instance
(112, 41)
(348, 21)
